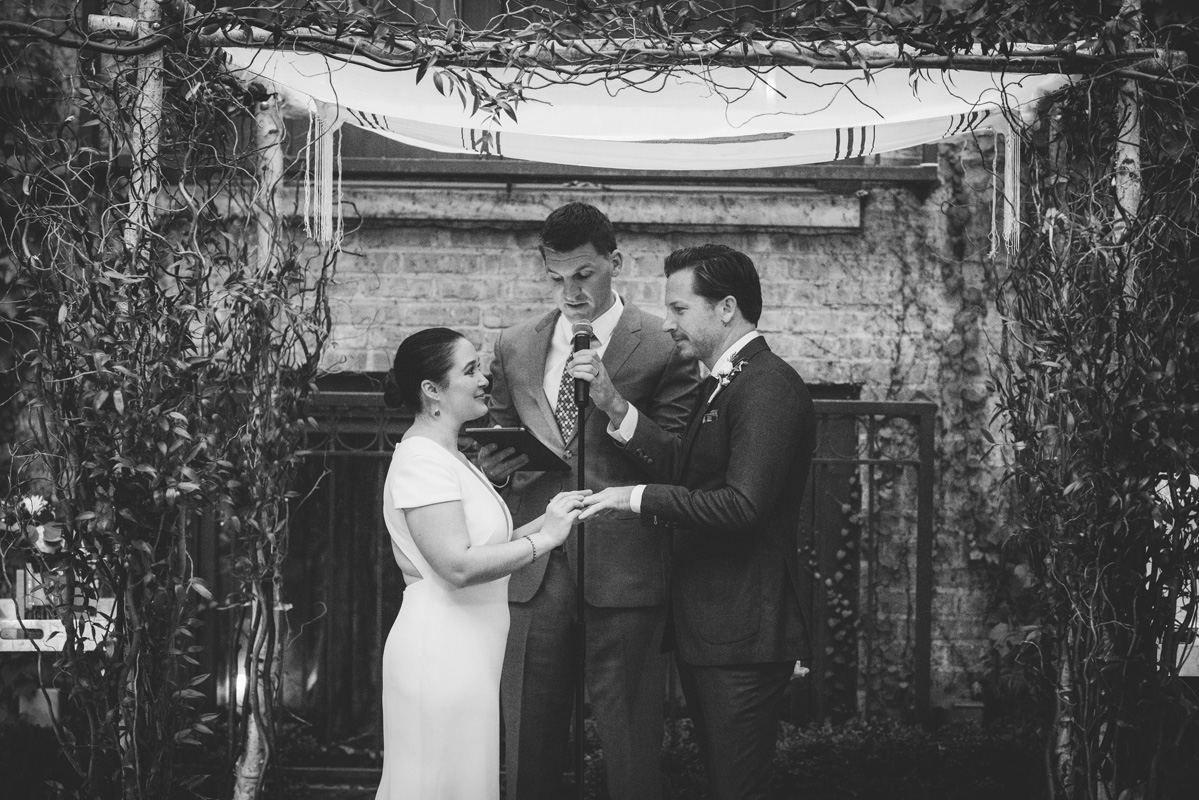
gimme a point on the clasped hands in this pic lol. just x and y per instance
(498, 465)
(612, 500)
(567, 508)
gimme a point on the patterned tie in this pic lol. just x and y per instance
(566, 412)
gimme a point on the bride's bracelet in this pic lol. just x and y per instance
(529, 538)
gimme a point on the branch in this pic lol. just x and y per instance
(392, 46)
(74, 41)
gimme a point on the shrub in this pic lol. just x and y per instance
(30, 762)
(880, 759)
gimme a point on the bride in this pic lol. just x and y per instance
(452, 536)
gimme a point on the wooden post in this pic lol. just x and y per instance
(264, 659)
(269, 138)
(1128, 144)
(144, 138)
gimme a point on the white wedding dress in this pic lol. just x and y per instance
(441, 664)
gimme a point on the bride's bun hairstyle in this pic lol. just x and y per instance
(424, 356)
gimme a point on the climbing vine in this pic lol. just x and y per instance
(165, 384)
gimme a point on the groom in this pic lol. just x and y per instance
(626, 562)
(731, 486)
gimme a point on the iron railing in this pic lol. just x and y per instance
(867, 533)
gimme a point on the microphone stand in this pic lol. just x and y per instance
(580, 610)
(580, 340)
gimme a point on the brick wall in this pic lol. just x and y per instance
(882, 287)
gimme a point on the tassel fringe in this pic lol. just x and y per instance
(322, 176)
(1011, 200)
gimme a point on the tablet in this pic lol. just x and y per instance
(541, 458)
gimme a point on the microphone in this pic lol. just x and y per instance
(580, 339)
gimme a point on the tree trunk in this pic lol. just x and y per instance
(1063, 739)
(250, 770)
(263, 662)
(144, 138)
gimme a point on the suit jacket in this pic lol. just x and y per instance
(626, 561)
(733, 485)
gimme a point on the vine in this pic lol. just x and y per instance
(1100, 399)
(166, 385)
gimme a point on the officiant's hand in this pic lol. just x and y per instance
(587, 365)
(498, 465)
(614, 499)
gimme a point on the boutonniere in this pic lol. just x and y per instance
(724, 379)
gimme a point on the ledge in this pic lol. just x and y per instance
(501, 169)
(649, 208)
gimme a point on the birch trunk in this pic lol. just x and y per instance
(1128, 149)
(263, 661)
(250, 771)
(144, 138)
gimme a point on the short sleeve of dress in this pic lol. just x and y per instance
(420, 479)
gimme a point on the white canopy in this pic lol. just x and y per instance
(684, 118)
(690, 118)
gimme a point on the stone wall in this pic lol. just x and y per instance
(883, 289)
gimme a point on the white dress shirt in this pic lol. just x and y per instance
(723, 366)
(603, 327)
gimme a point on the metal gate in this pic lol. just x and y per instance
(866, 532)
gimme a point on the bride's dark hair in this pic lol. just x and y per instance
(426, 355)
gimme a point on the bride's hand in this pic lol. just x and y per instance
(561, 514)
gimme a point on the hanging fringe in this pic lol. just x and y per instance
(1011, 188)
(997, 130)
(321, 157)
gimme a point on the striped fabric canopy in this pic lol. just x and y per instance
(690, 118)
(684, 118)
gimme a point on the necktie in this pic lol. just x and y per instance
(566, 412)
(705, 391)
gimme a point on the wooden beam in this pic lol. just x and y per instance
(589, 55)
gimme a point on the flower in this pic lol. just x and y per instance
(33, 516)
(724, 376)
(33, 504)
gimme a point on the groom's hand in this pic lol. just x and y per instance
(612, 500)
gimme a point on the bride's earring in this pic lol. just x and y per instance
(436, 412)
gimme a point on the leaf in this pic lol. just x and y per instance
(118, 400)
(199, 587)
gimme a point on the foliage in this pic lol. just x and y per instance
(880, 759)
(31, 763)
(167, 373)
(1100, 397)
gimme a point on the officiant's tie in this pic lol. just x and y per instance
(566, 412)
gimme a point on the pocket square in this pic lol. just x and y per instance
(710, 416)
